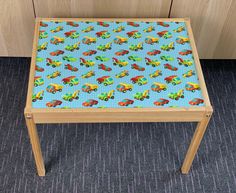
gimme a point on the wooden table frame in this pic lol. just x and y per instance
(94, 115)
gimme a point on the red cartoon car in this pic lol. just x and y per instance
(131, 33)
(103, 24)
(90, 103)
(53, 103)
(185, 52)
(71, 68)
(125, 102)
(104, 67)
(163, 24)
(133, 24)
(103, 34)
(162, 33)
(196, 101)
(170, 67)
(57, 53)
(122, 52)
(174, 79)
(135, 34)
(137, 67)
(42, 24)
(71, 80)
(161, 102)
(73, 24)
(38, 68)
(106, 80)
(69, 33)
(89, 52)
(153, 52)
(140, 80)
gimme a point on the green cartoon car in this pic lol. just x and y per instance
(105, 96)
(42, 46)
(106, 80)
(71, 96)
(167, 58)
(43, 34)
(136, 47)
(142, 95)
(134, 58)
(38, 81)
(72, 47)
(104, 47)
(102, 58)
(69, 58)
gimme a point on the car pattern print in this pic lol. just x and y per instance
(113, 64)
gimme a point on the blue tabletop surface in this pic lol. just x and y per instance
(115, 65)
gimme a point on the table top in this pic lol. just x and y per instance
(114, 64)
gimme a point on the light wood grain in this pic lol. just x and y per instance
(213, 23)
(93, 115)
(198, 65)
(226, 47)
(34, 139)
(116, 19)
(102, 8)
(32, 65)
(16, 27)
(195, 142)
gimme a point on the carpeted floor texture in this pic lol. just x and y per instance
(118, 158)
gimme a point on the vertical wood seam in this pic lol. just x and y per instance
(34, 8)
(170, 9)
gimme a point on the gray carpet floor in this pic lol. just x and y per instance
(118, 158)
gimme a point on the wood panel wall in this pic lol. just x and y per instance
(16, 27)
(102, 8)
(213, 23)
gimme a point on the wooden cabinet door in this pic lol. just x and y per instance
(213, 23)
(16, 27)
(102, 8)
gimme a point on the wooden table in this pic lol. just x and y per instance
(115, 70)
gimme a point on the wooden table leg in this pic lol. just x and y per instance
(195, 142)
(34, 139)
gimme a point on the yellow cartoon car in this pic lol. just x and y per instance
(191, 86)
(53, 88)
(57, 40)
(149, 29)
(151, 40)
(182, 40)
(53, 63)
(87, 87)
(87, 63)
(43, 46)
(151, 62)
(123, 87)
(57, 29)
(88, 29)
(155, 74)
(89, 40)
(119, 29)
(179, 29)
(120, 40)
(158, 87)
(88, 74)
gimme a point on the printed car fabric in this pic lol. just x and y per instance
(114, 64)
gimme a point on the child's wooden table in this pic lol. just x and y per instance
(115, 70)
